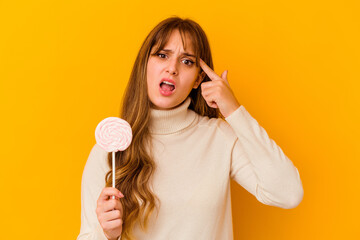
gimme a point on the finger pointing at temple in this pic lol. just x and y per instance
(212, 75)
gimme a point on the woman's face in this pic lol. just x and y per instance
(174, 65)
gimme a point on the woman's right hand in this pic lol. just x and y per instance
(109, 212)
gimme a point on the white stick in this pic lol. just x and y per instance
(113, 173)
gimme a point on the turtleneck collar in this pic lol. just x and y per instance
(170, 121)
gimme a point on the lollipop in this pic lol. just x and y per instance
(113, 134)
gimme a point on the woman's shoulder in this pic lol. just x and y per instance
(97, 158)
(98, 151)
(217, 124)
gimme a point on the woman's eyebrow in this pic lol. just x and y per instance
(183, 53)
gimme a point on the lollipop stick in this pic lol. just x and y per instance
(113, 173)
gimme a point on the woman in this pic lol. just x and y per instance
(190, 137)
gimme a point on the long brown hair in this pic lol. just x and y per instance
(135, 165)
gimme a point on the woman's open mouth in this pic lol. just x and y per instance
(166, 88)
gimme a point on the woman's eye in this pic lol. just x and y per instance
(161, 55)
(188, 62)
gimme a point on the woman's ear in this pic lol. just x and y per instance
(199, 79)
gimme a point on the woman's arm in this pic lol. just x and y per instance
(92, 183)
(260, 166)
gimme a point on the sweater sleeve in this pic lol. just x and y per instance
(260, 166)
(92, 183)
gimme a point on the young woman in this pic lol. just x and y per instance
(190, 137)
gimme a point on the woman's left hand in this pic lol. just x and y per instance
(217, 92)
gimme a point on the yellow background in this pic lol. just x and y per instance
(293, 64)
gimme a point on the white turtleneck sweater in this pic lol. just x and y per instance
(195, 159)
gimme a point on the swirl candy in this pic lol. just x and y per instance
(113, 134)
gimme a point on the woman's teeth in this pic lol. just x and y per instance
(169, 83)
(167, 86)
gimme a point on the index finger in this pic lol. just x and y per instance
(108, 192)
(212, 75)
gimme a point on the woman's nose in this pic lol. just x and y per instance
(172, 67)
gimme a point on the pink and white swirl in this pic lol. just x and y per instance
(113, 134)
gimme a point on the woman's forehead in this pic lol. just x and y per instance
(185, 39)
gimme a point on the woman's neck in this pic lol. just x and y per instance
(172, 120)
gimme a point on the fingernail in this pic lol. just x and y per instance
(121, 195)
